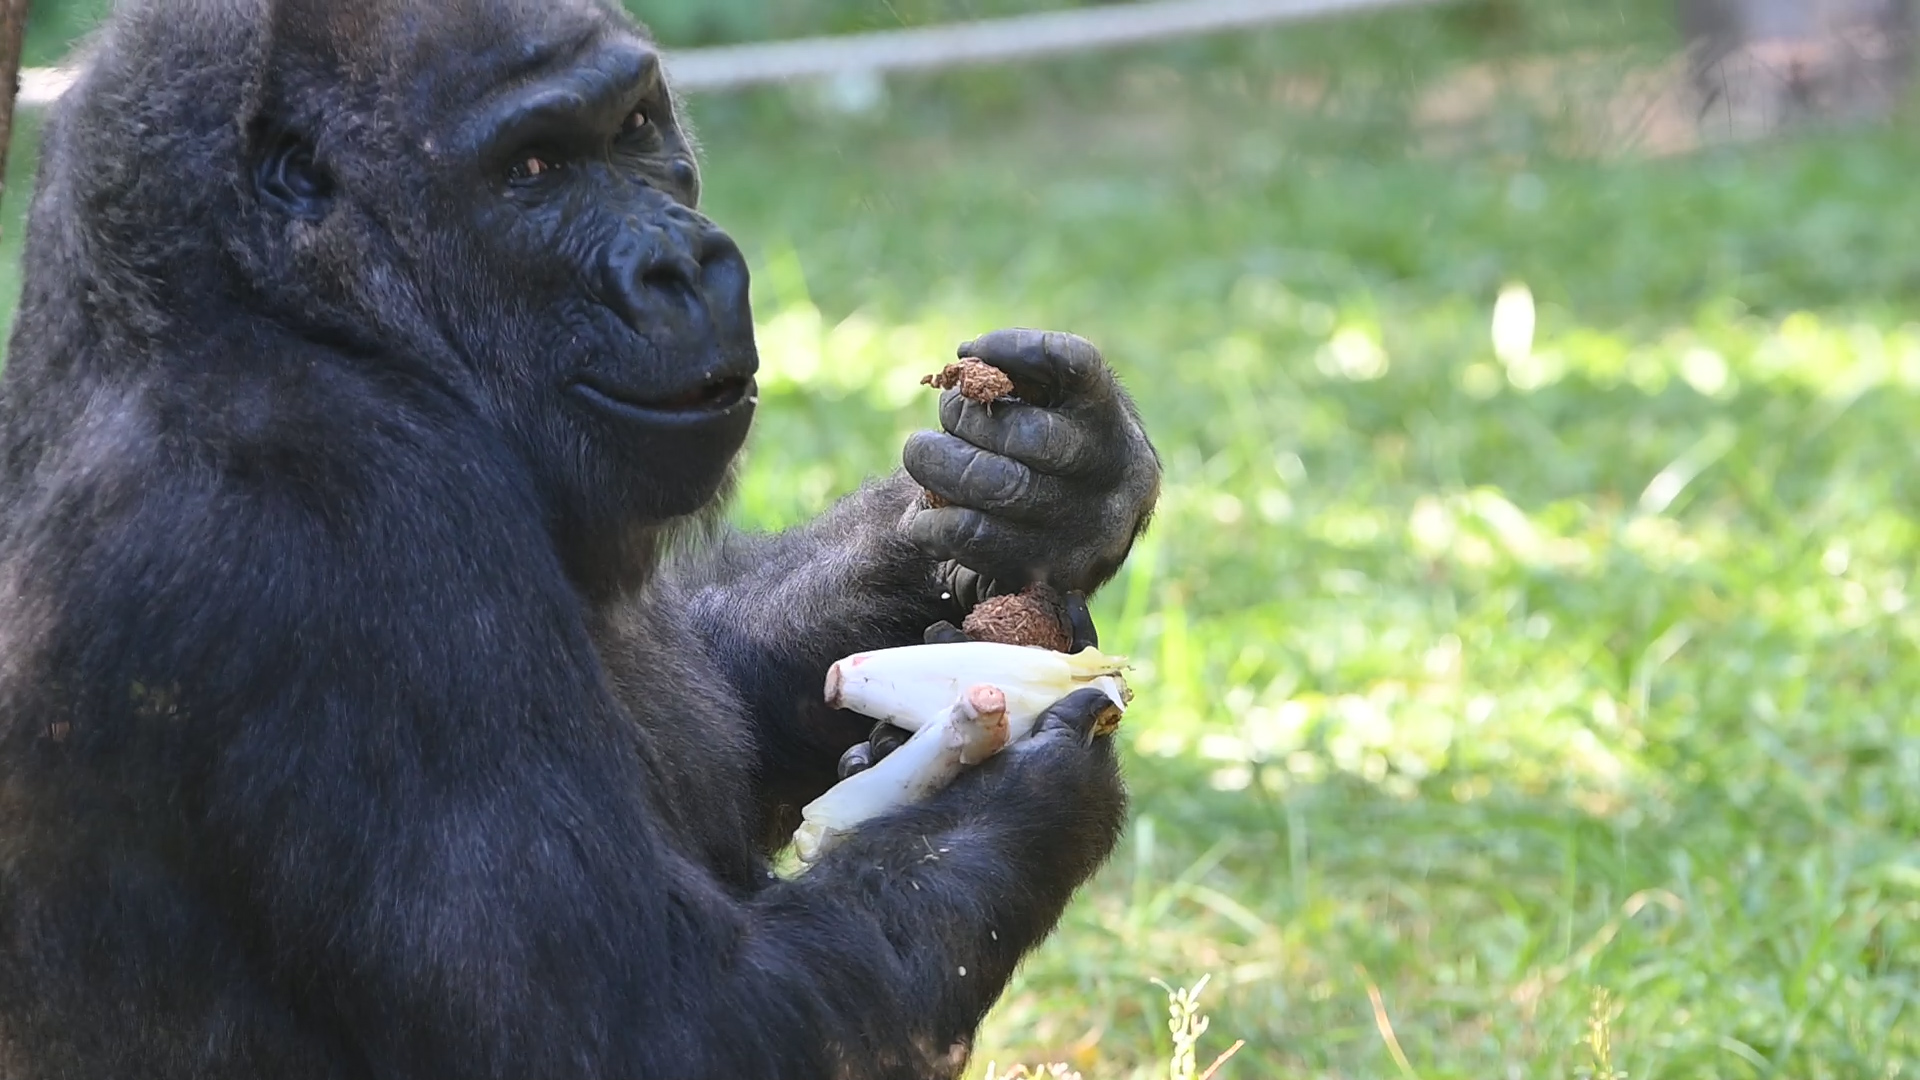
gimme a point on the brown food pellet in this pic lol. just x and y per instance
(978, 380)
(1032, 617)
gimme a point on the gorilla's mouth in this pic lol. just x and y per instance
(707, 399)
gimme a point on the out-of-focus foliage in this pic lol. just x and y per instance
(703, 22)
(1548, 676)
(54, 25)
(706, 22)
(681, 23)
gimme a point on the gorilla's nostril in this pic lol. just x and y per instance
(666, 279)
(681, 270)
(684, 172)
(723, 272)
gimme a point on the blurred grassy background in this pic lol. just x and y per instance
(1531, 700)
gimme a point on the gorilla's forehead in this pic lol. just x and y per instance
(448, 49)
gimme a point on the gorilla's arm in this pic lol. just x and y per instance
(775, 611)
(452, 848)
(364, 346)
(440, 838)
(993, 854)
(1055, 487)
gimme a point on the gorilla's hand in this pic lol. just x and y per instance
(886, 738)
(1051, 487)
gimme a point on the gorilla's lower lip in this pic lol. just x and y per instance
(706, 400)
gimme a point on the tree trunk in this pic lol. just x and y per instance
(13, 31)
(1762, 66)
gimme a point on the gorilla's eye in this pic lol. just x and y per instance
(532, 167)
(290, 178)
(635, 121)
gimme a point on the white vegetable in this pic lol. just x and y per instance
(963, 701)
(910, 685)
(968, 731)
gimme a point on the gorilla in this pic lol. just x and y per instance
(380, 693)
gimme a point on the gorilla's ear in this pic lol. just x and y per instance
(289, 180)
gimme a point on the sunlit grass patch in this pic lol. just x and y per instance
(1496, 658)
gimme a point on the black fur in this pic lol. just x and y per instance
(357, 718)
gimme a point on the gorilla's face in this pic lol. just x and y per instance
(537, 196)
(627, 342)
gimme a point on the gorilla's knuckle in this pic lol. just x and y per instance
(1078, 358)
(1014, 484)
(947, 532)
(1068, 346)
(981, 531)
(919, 451)
(954, 413)
(958, 459)
(1066, 442)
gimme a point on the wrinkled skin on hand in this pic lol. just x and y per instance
(1054, 486)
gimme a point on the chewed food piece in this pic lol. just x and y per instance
(968, 732)
(978, 380)
(1033, 617)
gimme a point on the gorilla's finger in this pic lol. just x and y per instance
(857, 759)
(996, 549)
(1082, 712)
(1080, 621)
(945, 633)
(1065, 364)
(1052, 442)
(885, 739)
(965, 475)
(965, 587)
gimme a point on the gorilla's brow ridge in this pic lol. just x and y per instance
(525, 61)
(595, 89)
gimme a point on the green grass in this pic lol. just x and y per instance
(1488, 685)
(1526, 696)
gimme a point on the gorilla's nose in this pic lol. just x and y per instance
(652, 274)
(680, 279)
(724, 282)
